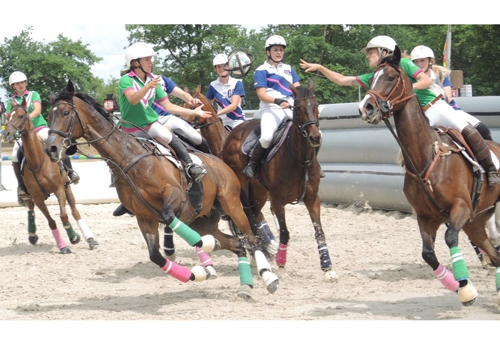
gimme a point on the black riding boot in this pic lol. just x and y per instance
(484, 131)
(257, 154)
(203, 147)
(194, 170)
(73, 176)
(482, 153)
(121, 210)
(22, 192)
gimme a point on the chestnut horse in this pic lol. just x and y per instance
(290, 175)
(440, 183)
(211, 128)
(43, 178)
(215, 133)
(153, 186)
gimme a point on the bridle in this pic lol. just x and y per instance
(302, 126)
(386, 105)
(20, 129)
(68, 135)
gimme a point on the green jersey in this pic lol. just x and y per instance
(411, 70)
(141, 114)
(31, 97)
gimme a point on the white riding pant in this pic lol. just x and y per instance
(271, 118)
(470, 119)
(175, 123)
(155, 130)
(42, 135)
(229, 122)
(442, 114)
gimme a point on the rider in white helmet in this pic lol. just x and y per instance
(228, 93)
(272, 82)
(423, 57)
(438, 111)
(19, 82)
(139, 89)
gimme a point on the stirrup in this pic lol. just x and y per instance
(195, 175)
(251, 169)
(493, 178)
(73, 176)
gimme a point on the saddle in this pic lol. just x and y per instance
(194, 190)
(278, 140)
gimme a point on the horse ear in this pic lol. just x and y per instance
(52, 97)
(294, 90)
(198, 89)
(186, 89)
(23, 104)
(311, 85)
(70, 88)
(397, 55)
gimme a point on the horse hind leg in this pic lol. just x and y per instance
(149, 231)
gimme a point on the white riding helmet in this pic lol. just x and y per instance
(138, 50)
(382, 43)
(275, 40)
(421, 52)
(16, 77)
(220, 59)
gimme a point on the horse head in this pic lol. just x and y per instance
(63, 123)
(19, 121)
(200, 122)
(306, 113)
(389, 91)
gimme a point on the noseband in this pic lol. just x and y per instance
(386, 104)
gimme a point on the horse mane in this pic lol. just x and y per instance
(96, 105)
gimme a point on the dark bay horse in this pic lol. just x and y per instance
(43, 178)
(291, 175)
(152, 185)
(211, 128)
(439, 183)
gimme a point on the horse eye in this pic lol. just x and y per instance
(391, 78)
(66, 112)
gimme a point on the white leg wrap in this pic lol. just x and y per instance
(84, 228)
(199, 273)
(261, 261)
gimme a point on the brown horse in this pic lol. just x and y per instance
(152, 184)
(211, 128)
(43, 178)
(289, 175)
(439, 183)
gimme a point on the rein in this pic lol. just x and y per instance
(386, 106)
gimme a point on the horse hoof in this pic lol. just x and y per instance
(211, 273)
(467, 294)
(93, 244)
(199, 273)
(75, 240)
(33, 239)
(65, 250)
(331, 276)
(245, 292)
(271, 281)
(282, 272)
(171, 257)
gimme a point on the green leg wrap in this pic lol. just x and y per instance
(460, 271)
(31, 222)
(69, 230)
(185, 232)
(246, 277)
(498, 278)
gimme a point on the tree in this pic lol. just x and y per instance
(49, 66)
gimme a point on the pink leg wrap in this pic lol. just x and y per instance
(59, 240)
(446, 278)
(205, 259)
(281, 255)
(177, 271)
(482, 251)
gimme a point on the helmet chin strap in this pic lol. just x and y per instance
(140, 66)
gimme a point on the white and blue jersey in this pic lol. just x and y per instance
(276, 80)
(168, 86)
(222, 94)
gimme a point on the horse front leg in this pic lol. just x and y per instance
(149, 229)
(60, 194)
(61, 244)
(82, 224)
(313, 205)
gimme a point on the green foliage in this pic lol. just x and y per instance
(48, 66)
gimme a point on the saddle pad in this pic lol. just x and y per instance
(165, 151)
(476, 166)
